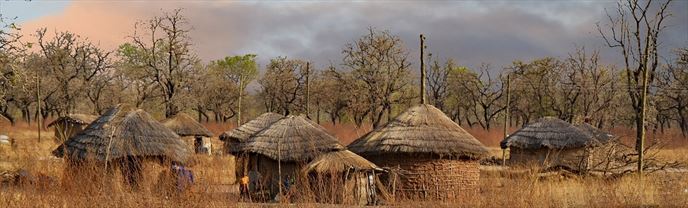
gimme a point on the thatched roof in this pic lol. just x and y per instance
(74, 118)
(297, 139)
(339, 162)
(244, 131)
(184, 125)
(122, 132)
(548, 132)
(420, 129)
(234, 137)
(600, 135)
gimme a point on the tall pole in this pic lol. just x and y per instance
(308, 89)
(241, 93)
(641, 144)
(506, 116)
(38, 111)
(422, 69)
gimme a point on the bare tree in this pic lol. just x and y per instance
(635, 31)
(380, 61)
(284, 85)
(163, 51)
(437, 81)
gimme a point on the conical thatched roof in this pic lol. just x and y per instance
(122, 132)
(184, 125)
(601, 136)
(548, 132)
(235, 136)
(244, 131)
(74, 118)
(338, 162)
(420, 129)
(297, 139)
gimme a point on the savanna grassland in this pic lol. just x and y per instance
(41, 183)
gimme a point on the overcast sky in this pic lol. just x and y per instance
(472, 32)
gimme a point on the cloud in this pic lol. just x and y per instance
(472, 32)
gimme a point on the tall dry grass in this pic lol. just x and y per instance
(47, 186)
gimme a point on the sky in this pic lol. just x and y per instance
(496, 32)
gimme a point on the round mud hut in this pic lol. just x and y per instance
(278, 153)
(185, 126)
(343, 177)
(69, 125)
(121, 138)
(429, 156)
(551, 143)
(233, 139)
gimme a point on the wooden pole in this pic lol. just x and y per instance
(38, 100)
(422, 69)
(241, 93)
(308, 92)
(279, 165)
(506, 115)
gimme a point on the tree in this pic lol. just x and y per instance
(673, 90)
(283, 85)
(380, 61)
(163, 52)
(71, 62)
(241, 70)
(437, 81)
(635, 31)
(485, 93)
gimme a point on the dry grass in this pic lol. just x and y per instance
(213, 173)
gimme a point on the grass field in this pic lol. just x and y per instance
(215, 174)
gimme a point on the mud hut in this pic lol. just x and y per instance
(343, 177)
(232, 140)
(278, 152)
(429, 156)
(69, 125)
(185, 126)
(122, 138)
(551, 143)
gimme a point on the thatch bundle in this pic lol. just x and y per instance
(420, 129)
(339, 162)
(234, 137)
(292, 139)
(75, 118)
(122, 132)
(549, 133)
(184, 125)
(598, 134)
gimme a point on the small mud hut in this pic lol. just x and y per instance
(429, 156)
(343, 177)
(121, 138)
(232, 140)
(278, 152)
(69, 125)
(185, 126)
(551, 143)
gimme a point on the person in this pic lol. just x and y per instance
(184, 177)
(243, 187)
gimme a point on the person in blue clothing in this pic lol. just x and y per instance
(184, 177)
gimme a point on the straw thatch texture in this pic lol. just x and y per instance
(420, 129)
(291, 139)
(184, 125)
(548, 132)
(598, 134)
(81, 119)
(339, 162)
(121, 133)
(234, 137)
